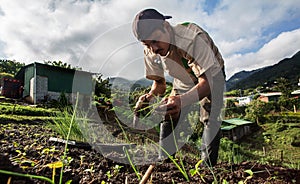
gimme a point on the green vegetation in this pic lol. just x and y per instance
(10, 67)
(22, 110)
(61, 122)
(274, 141)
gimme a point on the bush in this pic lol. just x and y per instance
(256, 111)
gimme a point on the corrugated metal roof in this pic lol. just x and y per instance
(237, 121)
(296, 92)
(271, 94)
(230, 127)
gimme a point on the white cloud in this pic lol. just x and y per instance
(68, 31)
(283, 46)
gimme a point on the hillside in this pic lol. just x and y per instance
(288, 68)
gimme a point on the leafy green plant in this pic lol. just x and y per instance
(61, 123)
(180, 166)
(196, 170)
(232, 152)
(114, 172)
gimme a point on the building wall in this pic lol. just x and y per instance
(264, 98)
(59, 79)
(52, 81)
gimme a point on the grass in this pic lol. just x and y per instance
(271, 144)
(25, 110)
(64, 123)
(22, 118)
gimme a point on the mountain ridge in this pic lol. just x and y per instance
(288, 68)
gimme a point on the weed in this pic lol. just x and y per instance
(196, 171)
(180, 167)
(115, 171)
(62, 123)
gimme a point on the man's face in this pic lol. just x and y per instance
(158, 42)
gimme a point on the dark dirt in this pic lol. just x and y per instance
(25, 149)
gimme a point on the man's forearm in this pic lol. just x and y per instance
(158, 87)
(197, 93)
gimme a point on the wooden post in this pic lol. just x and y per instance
(147, 174)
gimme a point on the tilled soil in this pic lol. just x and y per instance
(25, 148)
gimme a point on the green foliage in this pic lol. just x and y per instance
(230, 103)
(257, 110)
(62, 121)
(197, 170)
(288, 103)
(102, 86)
(235, 111)
(232, 152)
(285, 87)
(59, 164)
(61, 64)
(61, 103)
(11, 67)
(235, 92)
(17, 109)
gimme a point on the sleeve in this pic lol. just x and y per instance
(203, 56)
(153, 67)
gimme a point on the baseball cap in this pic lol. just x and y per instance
(146, 21)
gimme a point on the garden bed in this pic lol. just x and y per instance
(25, 148)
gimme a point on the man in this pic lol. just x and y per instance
(187, 53)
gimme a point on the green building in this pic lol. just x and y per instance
(235, 129)
(42, 82)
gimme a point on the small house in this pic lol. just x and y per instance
(270, 97)
(44, 82)
(236, 128)
(245, 100)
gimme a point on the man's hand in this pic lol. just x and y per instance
(170, 107)
(142, 103)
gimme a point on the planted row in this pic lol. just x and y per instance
(17, 109)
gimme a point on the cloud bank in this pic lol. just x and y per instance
(96, 35)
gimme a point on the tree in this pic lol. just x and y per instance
(61, 64)
(235, 92)
(10, 67)
(285, 87)
(102, 86)
(256, 111)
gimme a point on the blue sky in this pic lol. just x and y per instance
(209, 5)
(96, 35)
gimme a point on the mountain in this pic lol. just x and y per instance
(122, 83)
(288, 68)
(237, 77)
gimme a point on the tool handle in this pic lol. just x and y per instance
(147, 174)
